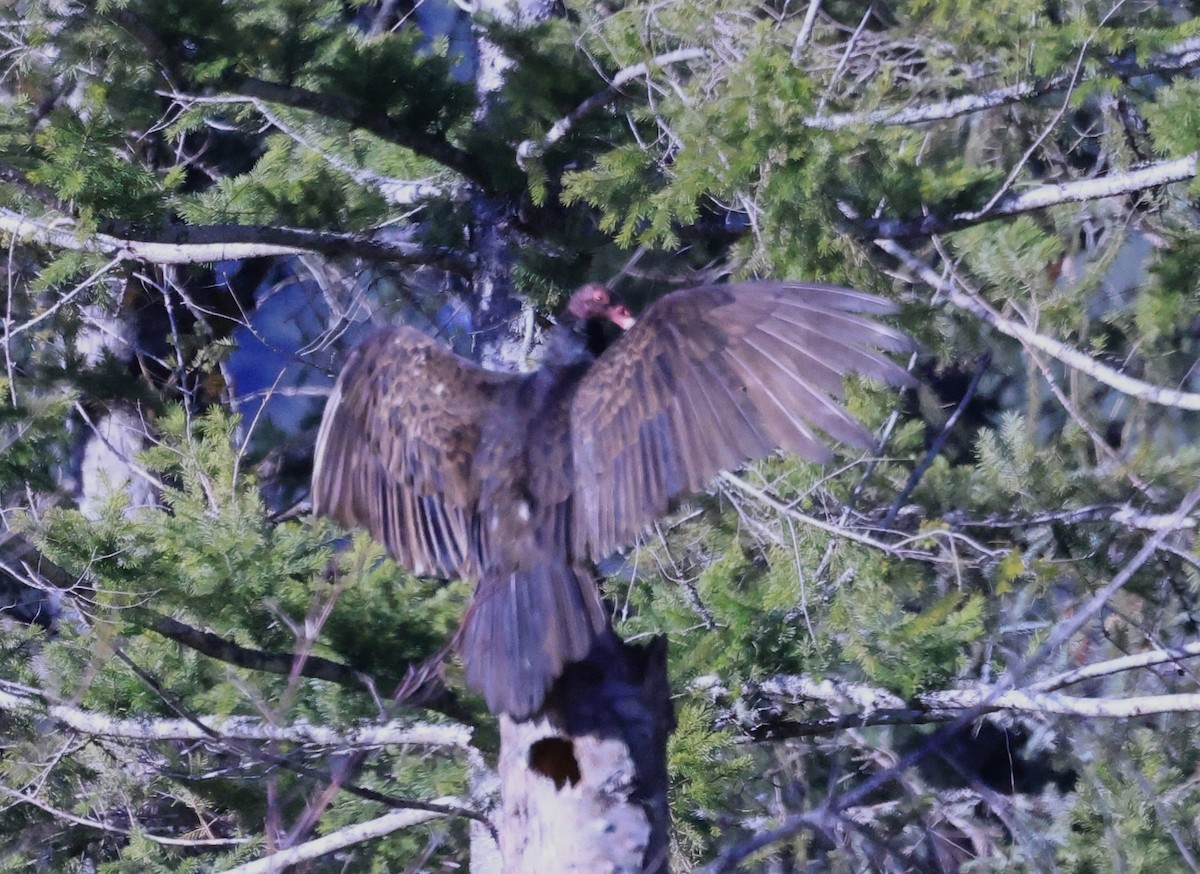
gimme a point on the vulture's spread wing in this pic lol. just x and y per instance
(710, 377)
(395, 449)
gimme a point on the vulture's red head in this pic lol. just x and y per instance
(595, 301)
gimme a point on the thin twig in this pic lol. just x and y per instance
(62, 301)
(27, 798)
(939, 442)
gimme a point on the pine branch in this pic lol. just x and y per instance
(163, 57)
(21, 560)
(403, 192)
(31, 799)
(562, 127)
(217, 647)
(10, 175)
(382, 125)
(339, 108)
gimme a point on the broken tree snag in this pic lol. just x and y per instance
(584, 782)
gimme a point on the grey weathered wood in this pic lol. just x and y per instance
(584, 784)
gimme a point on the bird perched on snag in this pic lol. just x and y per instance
(521, 482)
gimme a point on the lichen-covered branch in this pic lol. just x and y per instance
(342, 838)
(1039, 197)
(953, 291)
(18, 699)
(186, 244)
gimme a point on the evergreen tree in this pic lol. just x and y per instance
(972, 652)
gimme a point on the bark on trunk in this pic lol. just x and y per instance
(584, 784)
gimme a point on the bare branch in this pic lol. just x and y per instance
(1041, 197)
(342, 838)
(761, 715)
(562, 127)
(958, 295)
(1177, 59)
(1062, 705)
(963, 105)
(183, 244)
(1114, 666)
(794, 689)
(1099, 444)
(806, 27)
(15, 698)
(1118, 514)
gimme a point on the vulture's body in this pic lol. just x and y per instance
(521, 482)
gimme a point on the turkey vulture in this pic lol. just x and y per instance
(520, 482)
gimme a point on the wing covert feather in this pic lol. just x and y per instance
(709, 378)
(396, 445)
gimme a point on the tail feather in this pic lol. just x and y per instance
(523, 628)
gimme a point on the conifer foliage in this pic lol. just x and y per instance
(974, 651)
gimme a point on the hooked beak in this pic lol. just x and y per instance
(620, 316)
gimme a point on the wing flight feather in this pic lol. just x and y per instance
(709, 378)
(395, 450)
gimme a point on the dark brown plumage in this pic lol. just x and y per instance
(521, 482)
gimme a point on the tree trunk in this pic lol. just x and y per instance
(111, 436)
(584, 784)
